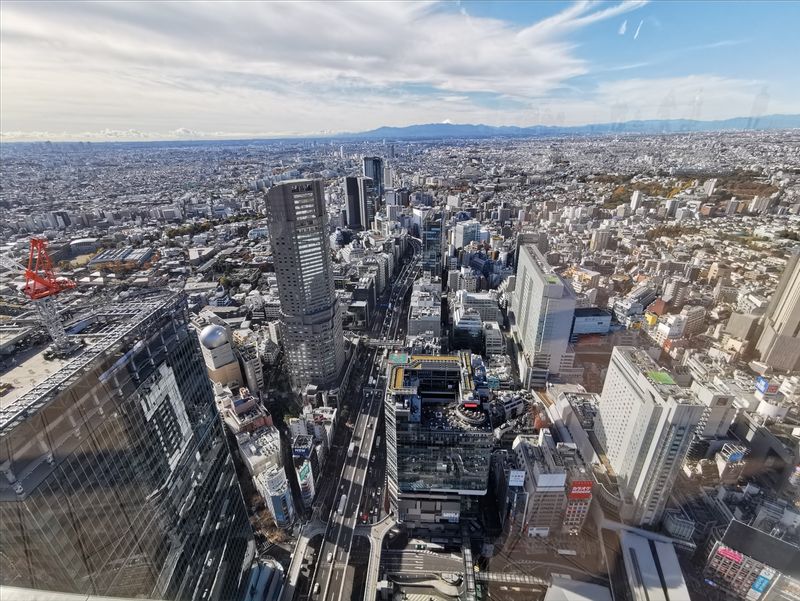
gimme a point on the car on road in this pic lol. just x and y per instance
(316, 588)
(330, 557)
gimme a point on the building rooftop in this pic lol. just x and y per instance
(652, 568)
(454, 416)
(563, 589)
(763, 547)
(24, 376)
(658, 377)
(446, 404)
(37, 381)
(591, 312)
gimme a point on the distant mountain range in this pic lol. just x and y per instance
(438, 131)
(658, 126)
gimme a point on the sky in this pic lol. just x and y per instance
(184, 70)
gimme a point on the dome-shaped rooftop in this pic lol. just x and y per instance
(213, 336)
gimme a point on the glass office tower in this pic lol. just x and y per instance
(432, 242)
(117, 476)
(373, 169)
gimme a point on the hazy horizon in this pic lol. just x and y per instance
(140, 71)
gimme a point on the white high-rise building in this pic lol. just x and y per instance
(600, 239)
(465, 232)
(274, 488)
(779, 343)
(720, 410)
(312, 323)
(636, 200)
(543, 307)
(645, 424)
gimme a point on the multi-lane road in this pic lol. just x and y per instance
(360, 487)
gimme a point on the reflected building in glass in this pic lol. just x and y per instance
(438, 438)
(432, 234)
(117, 479)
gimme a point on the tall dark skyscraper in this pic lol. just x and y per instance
(117, 480)
(361, 201)
(352, 191)
(373, 169)
(312, 322)
(432, 241)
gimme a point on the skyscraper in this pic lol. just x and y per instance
(600, 239)
(779, 343)
(311, 320)
(352, 191)
(432, 240)
(117, 476)
(361, 202)
(645, 425)
(543, 307)
(373, 169)
(466, 232)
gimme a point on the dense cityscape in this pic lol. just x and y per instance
(496, 368)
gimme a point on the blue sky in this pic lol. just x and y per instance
(184, 70)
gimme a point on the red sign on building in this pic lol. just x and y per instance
(727, 553)
(580, 489)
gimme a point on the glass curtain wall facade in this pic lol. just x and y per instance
(373, 169)
(432, 242)
(121, 482)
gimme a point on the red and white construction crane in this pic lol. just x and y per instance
(42, 286)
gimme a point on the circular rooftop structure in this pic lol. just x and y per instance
(213, 336)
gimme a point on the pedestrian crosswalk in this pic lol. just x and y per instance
(510, 578)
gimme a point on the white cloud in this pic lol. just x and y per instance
(703, 97)
(638, 29)
(304, 66)
(623, 28)
(146, 70)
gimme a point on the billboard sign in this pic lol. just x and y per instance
(736, 457)
(516, 478)
(727, 553)
(760, 585)
(580, 489)
(764, 386)
(304, 471)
